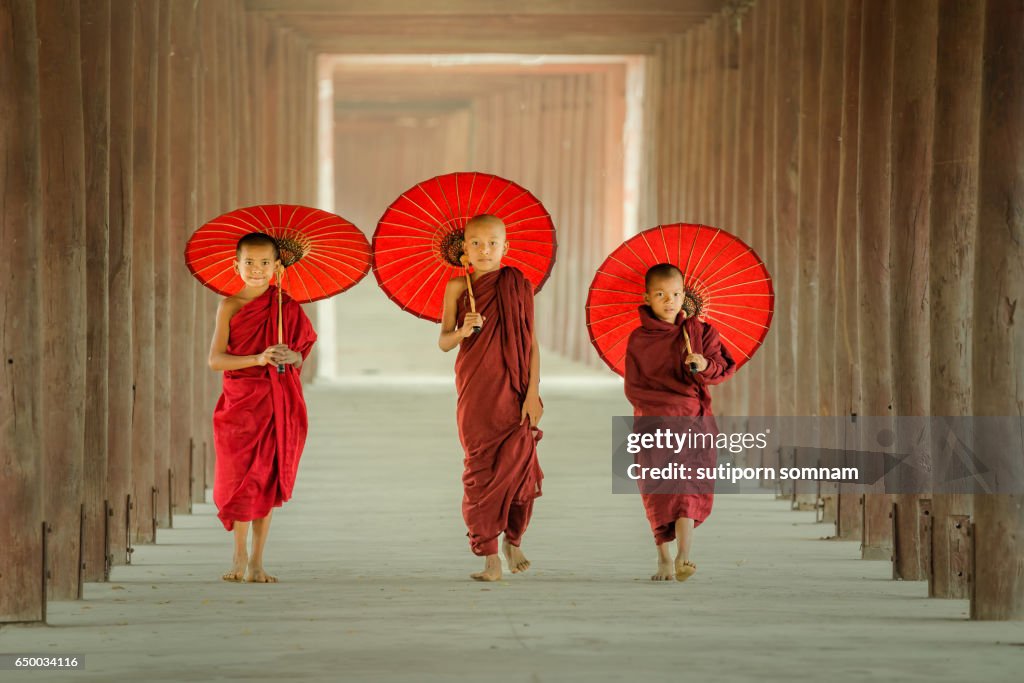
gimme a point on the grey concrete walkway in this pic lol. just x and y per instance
(374, 564)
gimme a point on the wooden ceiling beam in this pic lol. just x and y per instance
(694, 8)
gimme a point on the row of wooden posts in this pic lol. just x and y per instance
(126, 123)
(871, 152)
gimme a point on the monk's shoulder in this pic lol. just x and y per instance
(455, 286)
(228, 306)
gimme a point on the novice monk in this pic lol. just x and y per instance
(659, 382)
(497, 376)
(259, 424)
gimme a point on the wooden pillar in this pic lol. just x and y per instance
(183, 114)
(165, 252)
(757, 66)
(913, 118)
(95, 45)
(954, 221)
(849, 520)
(144, 79)
(830, 112)
(998, 586)
(805, 365)
(211, 143)
(786, 198)
(119, 379)
(742, 162)
(874, 215)
(766, 247)
(806, 370)
(21, 391)
(62, 160)
(702, 111)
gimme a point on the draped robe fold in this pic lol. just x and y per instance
(502, 475)
(658, 383)
(259, 422)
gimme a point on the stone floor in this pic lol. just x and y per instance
(374, 563)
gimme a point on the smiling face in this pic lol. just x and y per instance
(257, 264)
(665, 295)
(485, 243)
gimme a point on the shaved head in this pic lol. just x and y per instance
(484, 221)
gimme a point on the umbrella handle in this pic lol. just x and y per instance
(280, 317)
(693, 366)
(469, 286)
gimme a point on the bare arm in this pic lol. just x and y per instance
(532, 407)
(534, 387)
(451, 334)
(221, 360)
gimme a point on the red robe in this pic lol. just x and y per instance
(659, 383)
(259, 423)
(502, 475)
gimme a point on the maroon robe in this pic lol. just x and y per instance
(259, 423)
(659, 383)
(502, 475)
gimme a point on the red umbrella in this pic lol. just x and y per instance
(418, 241)
(323, 254)
(727, 284)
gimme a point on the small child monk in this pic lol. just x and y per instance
(497, 377)
(259, 423)
(660, 382)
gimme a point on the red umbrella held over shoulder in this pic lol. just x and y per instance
(322, 253)
(417, 247)
(726, 283)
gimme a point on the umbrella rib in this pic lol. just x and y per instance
(700, 276)
(312, 264)
(417, 255)
(719, 313)
(392, 276)
(728, 276)
(440, 213)
(689, 255)
(615, 258)
(735, 346)
(708, 278)
(614, 315)
(425, 280)
(729, 326)
(444, 195)
(617, 327)
(742, 284)
(490, 180)
(490, 209)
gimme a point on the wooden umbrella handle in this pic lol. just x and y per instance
(693, 366)
(280, 316)
(469, 286)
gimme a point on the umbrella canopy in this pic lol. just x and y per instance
(726, 282)
(418, 241)
(323, 253)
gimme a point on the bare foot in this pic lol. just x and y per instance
(684, 569)
(665, 571)
(237, 573)
(259, 575)
(517, 562)
(491, 572)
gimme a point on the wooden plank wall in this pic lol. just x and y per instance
(870, 161)
(105, 332)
